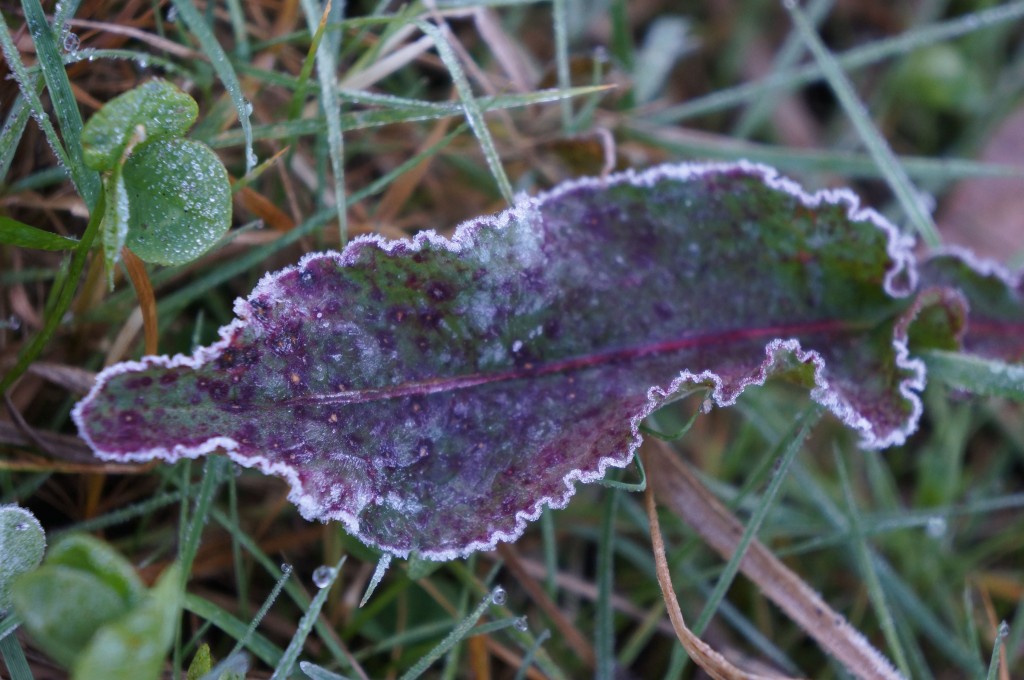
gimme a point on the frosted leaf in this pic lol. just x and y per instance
(434, 394)
(82, 586)
(22, 543)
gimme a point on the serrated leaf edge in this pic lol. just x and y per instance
(900, 281)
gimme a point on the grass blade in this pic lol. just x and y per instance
(35, 105)
(882, 608)
(14, 128)
(64, 105)
(997, 650)
(62, 299)
(974, 374)
(14, 658)
(263, 648)
(15, 233)
(560, 19)
(855, 58)
(225, 71)
(327, 74)
(291, 654)
(790, 445)
(458, 633)
(895, 174)
(604, 634)
(785, 59)
(474, 115)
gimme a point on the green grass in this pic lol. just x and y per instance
(920, 548)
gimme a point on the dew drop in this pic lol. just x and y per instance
(172, 14)
(71, 43)
(936, 527)
(253, 160)
(323, 575)
(286, 568)
(499, 595)
(521, 625)
(248, 107)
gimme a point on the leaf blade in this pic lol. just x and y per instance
(414, 389)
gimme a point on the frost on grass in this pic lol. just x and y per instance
(434, 394)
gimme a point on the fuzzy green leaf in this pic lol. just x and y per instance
(22, 543)
(83, 585)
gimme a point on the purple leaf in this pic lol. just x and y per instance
(433, 394)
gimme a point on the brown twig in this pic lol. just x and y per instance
(701, 652)
(684, 494)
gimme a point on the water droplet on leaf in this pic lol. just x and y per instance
(499, 595)
(936, 527)
(71, 43)
(323, 575)
(521, 624)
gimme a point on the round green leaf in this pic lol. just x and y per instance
(153, 111)
(63, 607)
(179, 201)
(22, 543)
(101, 562)
(134, 647)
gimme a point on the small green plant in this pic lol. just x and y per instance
(88, 609)
(22, 543)
(167, 198)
